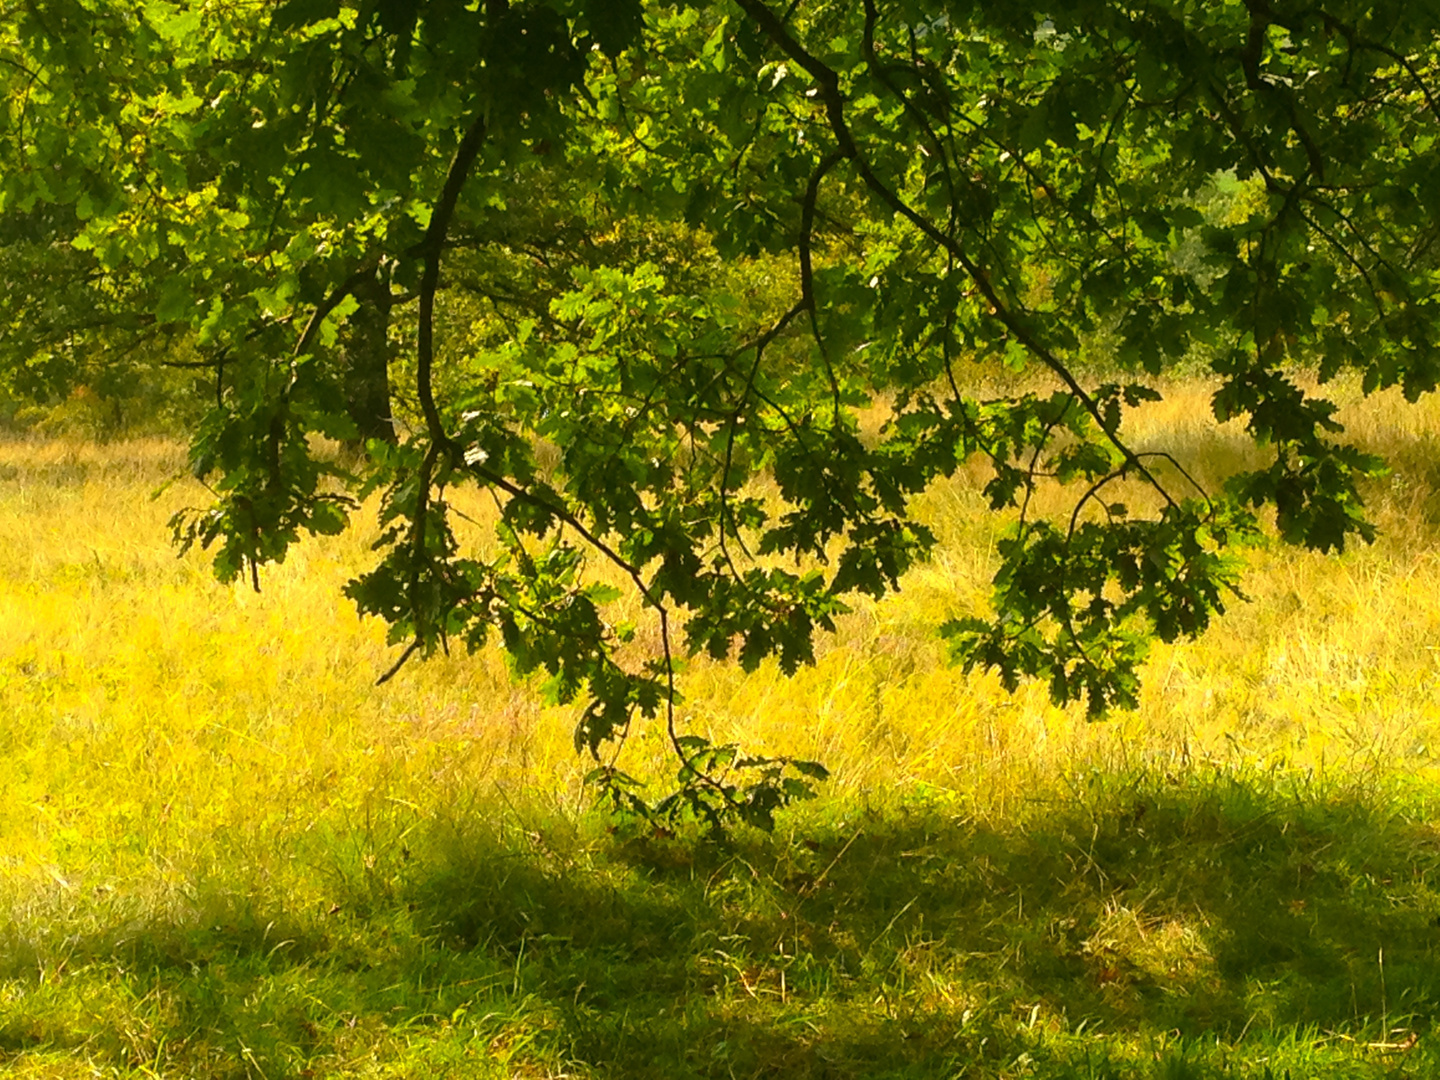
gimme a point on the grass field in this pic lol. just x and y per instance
(224, 852)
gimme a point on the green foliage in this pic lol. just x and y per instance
(689, 246)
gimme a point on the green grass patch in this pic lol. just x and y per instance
(1213, 924)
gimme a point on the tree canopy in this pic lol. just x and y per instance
(613, 260)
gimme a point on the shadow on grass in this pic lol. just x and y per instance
(1215, 927)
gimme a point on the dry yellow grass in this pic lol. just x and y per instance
(204, 776)
(161, 725)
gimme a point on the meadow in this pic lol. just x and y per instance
(225, 852)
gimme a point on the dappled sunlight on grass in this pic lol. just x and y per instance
(226, 852)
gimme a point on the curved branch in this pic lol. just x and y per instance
(430, 249)
(834, 100)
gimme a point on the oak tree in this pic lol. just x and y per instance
(694, 241)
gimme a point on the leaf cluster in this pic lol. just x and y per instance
(657, 266)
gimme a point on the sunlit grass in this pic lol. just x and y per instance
(224, 851)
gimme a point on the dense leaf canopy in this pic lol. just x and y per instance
(675, 247)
